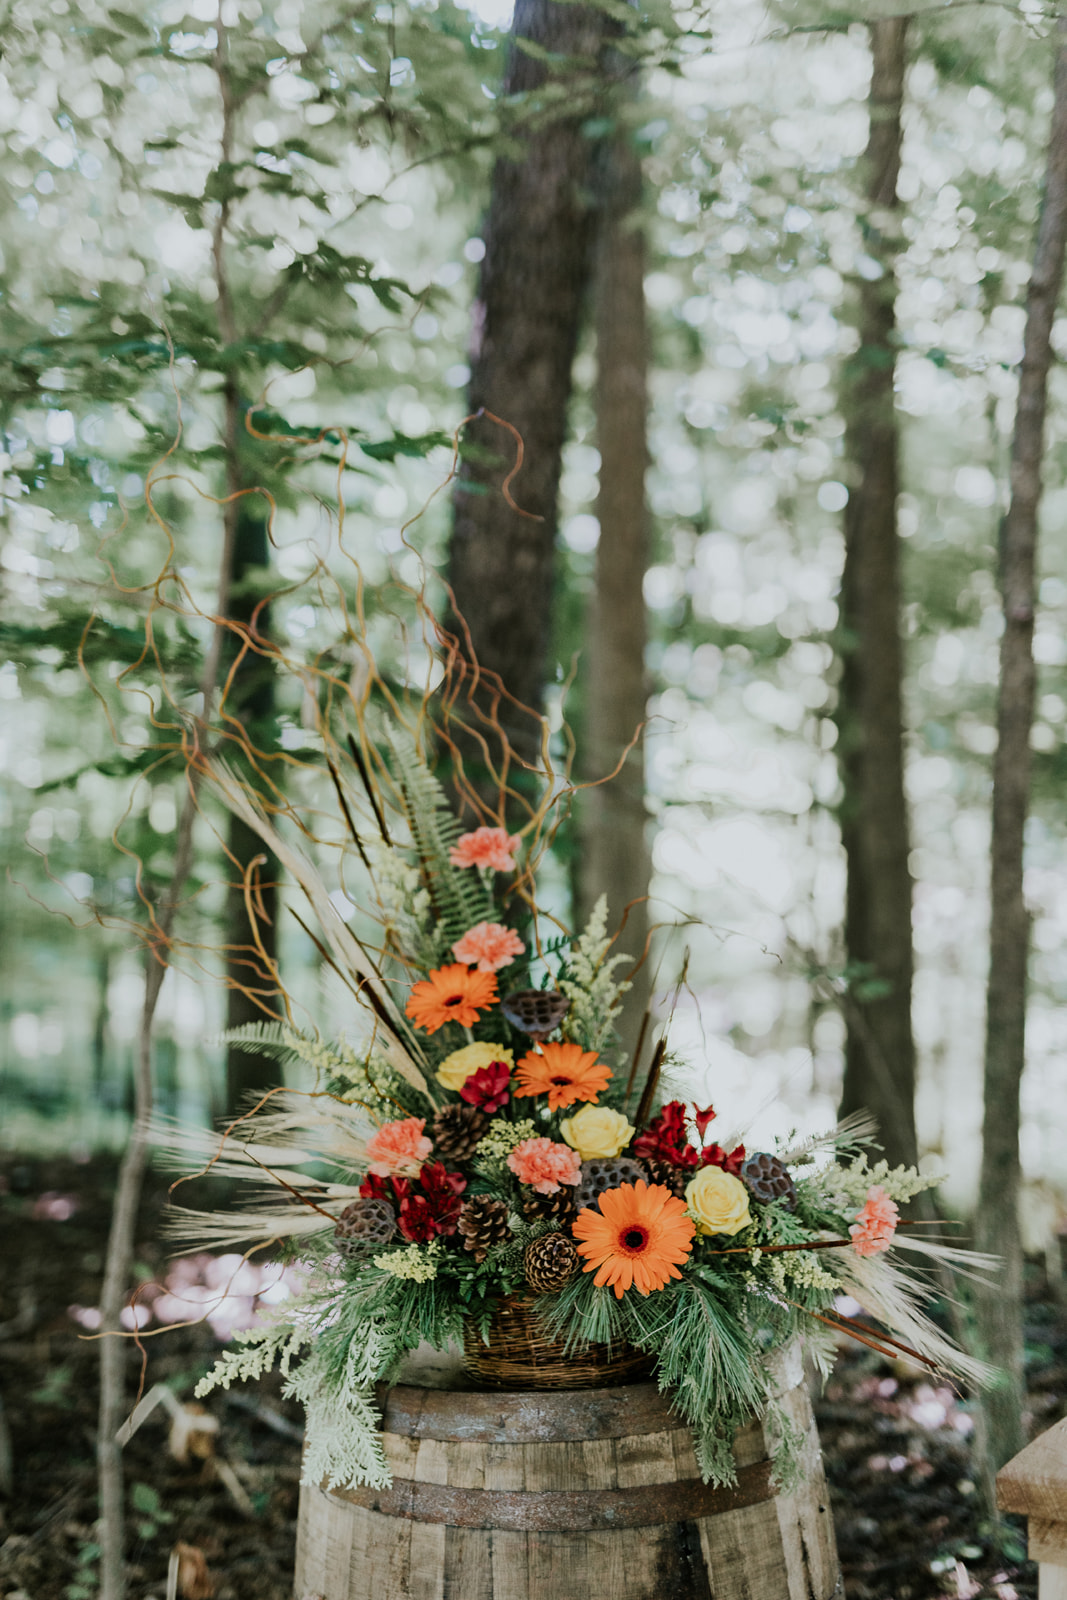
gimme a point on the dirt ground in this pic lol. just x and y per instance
(897, 1447)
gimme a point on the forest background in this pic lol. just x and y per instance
(288, 206)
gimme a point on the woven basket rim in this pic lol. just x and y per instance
(520, 1355)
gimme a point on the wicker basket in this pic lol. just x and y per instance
(520, 1356)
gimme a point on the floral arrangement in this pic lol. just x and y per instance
(484, 1140)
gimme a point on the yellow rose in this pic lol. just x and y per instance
(595, 1131)
(457, 1068)
(717, 1201)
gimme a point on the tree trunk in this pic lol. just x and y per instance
(999, 1307)
(880, 1048)
(100, 1021)
(126, 1205)
(251, 986)
(615, 853)
(526, 323)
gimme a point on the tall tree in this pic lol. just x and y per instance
(527, 316)
(999, 1305)
(616, 859)
(880, 1049)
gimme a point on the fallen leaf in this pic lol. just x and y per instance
(194, 1580)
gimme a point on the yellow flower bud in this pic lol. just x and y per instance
(717, 1201)
(594, 1131)
(457, 1068)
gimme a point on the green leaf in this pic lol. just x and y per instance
(130, 24)
(401, 445)
(222, 184)
(146, 1499)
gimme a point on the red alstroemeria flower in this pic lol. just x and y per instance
(702, 1119)
(488, 1087)
(665, 1139)
(394, 1190)
(713, 1155)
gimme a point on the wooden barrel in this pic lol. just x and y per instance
(577, 1495)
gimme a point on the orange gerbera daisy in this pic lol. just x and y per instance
(451, 994)
(565, 1072)
(639, 1237)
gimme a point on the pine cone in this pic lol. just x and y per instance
(550, 1262)
(670, 1176)
(766, 1178)
(483, 1222)
(558, 1207)
(597, 1176)
(456, 1131)
(364, 1226)
(535, 1011)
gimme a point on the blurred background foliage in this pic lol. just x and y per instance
(341, 154)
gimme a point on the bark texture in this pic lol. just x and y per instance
(615, 854)
(526, 321)
(999, 1308)
(880, 1049)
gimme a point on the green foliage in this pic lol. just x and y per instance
(147, 1504)
(85, 1581)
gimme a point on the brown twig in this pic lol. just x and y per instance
(357, 757)
(881, 1342)
(651, 1082)
(346, 813)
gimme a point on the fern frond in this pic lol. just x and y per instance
(260, 1038)
(460, 897)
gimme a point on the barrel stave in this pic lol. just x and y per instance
(427, 1563)
(468, 1565)
(744, 1555)
(509, 1560)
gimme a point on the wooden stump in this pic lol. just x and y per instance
(575, 1495)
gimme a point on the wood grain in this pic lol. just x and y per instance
(427, 1562)
(1047, 1541)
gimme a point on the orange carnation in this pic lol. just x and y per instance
(565, 1072)
(486, 847)
(489, 946)
(639, 1238)
(873, 1230)
(451, 994)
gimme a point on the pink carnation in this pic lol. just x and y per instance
(489, 944)
(873, 1230)
(545, 1165)
(399, 1147)
(486, 847)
